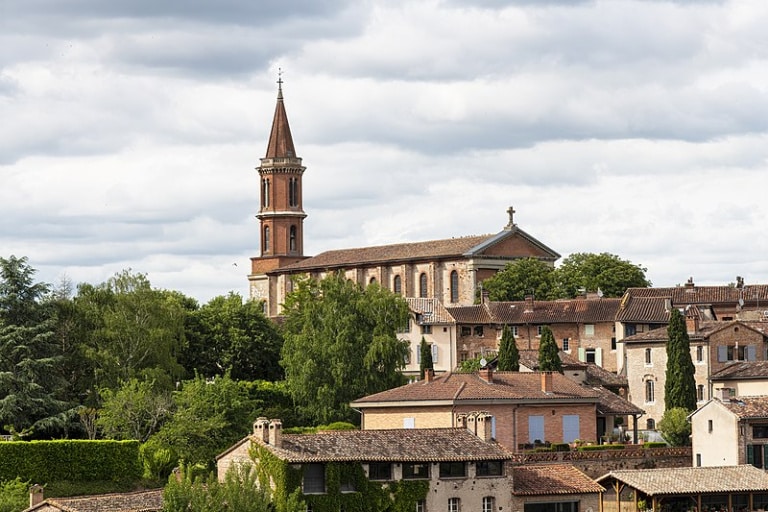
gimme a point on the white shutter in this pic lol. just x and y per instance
(434, 353)
(599, 356)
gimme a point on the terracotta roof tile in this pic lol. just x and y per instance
(705, 330)
(611, 404)
(748, 407)
(694, 480)
(553, 312)
(548, 479)
(140, 501)
(682, 295)
(396, 445)
(431, 310)
(742, 370)
(643, 309)
(477, 314)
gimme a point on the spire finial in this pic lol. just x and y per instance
(280, 79)
(511, 212)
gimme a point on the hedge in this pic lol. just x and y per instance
(72, 460)
(599, 447)
(655, 444)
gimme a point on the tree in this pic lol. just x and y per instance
(680, 385)
(210, 415)
(425, 358)
(509, 355)
(29, 358)
(14, 495)
(520, 278)
(341, 344)
(549, 354)
(135, 411)
(675, 427)
(592, 272)
(228, 334)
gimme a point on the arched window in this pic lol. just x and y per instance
(292, 238)
(650, 424)
(372, 280)
(423, 285)
(265, 192)
(489, 504)
(397, 285)
(266, 238)
(454, 286)
(649, 391)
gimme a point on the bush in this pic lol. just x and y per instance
(655, 444)
(561, 447)
(13, 495)
(600, 447)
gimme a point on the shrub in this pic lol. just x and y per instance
(655, 444)
(13, 495)
(561, 447)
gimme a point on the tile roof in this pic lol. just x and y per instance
(705, 330)
(694, 480)
(280, 140)
(742, 370)
(548, 479)
(458, 387)
(682, 295)
(554, 312)
(599, 375)
(643, 309)
(748, 407)
(432, 310)
(611, 404)
(477, 314)
(139, 501)
(530, 359)
(395, 445)
(451, 247)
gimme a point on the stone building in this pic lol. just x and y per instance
(449, 270)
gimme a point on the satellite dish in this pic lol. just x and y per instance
(483, 362)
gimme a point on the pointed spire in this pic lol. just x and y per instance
(280, 139)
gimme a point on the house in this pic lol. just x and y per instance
(449, 270)
(743, 378)
(452, 469)
(523, 408)
(139, 501)
(708, 489)
(432, 322)
(714, 345)
(730, 431)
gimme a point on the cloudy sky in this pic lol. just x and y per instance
(130, 130)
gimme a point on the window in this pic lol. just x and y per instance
(409, 422)
(423, 286)
(736, 353)
(266, 238)
(649, 391)
(463, 356)
(698, 459)
(414, 470)
(265, 193)
(426, 329)
(650, 424)
(759, 431)
(570, 427)
(539, 328)
(489, 468)
(454, 286)
(590, 355)
(757, 455)
(454, 504)
(630, 329)
(566, 344)
(489, 503)
(421, 506)
(379, 471)
(613, 343)
(372, 280)
(453, 469)
(699, 353)
(700, 392)
(433, 347)
(466, 330)
(710, 426)
(397, 285)
(478, 330)
(514, 331)
(648, 360)
(535, 428)
(292, 239)
(589, 329)
(314, 479)
(293, 192)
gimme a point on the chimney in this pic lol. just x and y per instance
(484, 424)
(486, 374)
(484, 296)
(276, 433)
(429, 375)
(689, 283)
(528, 304)
(261, 429)
(461, 419)
(35, 495)
(692, 324)
(667, 305)
(472, 422)
(546, 382)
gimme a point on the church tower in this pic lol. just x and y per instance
(281, 214)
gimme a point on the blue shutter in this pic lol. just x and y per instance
(535, 428)
(570, 427)
(751, 353)
(722, 353)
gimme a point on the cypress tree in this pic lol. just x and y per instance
(680, 385)
(426, 358)
(509, 355)
(549, 355)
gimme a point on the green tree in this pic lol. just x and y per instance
(341, 344)
(425, 358)
(509, 355)
(675, 427)
(14, 495)
(592, 272)
(133, 330)
(528, 276)
(210, 415)
(680, 385)
(549, 354)
(29, 358)
(135, 411)
(227, 334)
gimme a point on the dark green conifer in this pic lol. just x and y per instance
(509, 355)
(680, 385)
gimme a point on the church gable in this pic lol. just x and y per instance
(514, 243)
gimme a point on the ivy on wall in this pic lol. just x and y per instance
(368, 496)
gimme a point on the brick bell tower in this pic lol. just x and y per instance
(281, 214)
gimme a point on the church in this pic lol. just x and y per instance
(450, 270)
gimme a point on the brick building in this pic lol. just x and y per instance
(448, 270)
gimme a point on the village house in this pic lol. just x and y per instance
(139, 501)
(525, 409)
(449, 270)
(452, 469)
(742, 378)
(430, 321)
